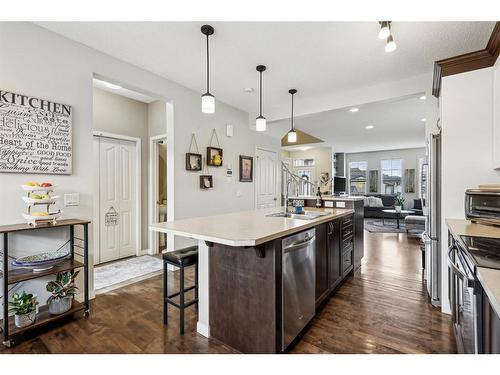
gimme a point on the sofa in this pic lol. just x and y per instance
(376, 212)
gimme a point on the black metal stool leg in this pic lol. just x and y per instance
(165, 293)
(181, 300)
(196, 283)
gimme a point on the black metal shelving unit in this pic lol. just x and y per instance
(16, 275)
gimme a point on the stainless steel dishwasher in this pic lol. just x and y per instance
(298, 284)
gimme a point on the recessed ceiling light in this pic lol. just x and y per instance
(369, 126)
(423, 120)
(111, 85)
(354, 109)
(249, 89)
(423, 97)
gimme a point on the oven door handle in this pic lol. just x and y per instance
(455, 270)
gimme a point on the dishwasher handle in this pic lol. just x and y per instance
(299, 244)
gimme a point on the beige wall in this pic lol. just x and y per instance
(323, 159)
(120, 115)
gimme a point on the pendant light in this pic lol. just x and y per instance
(260, 121)
(207, 99)
(292, 134)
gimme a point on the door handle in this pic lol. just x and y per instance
(299, 244)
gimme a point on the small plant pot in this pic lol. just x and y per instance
(398, 208)
(25, 320)
(58, 306)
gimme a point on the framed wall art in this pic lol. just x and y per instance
(373, 181)
(214, 154)
(409, 181)
(194, 160)
(246, 168)
(206, 182)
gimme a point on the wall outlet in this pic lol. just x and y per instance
(328, 204)
(340, 204)
(239, 194)
(72, 199)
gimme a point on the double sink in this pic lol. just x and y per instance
(307, 215)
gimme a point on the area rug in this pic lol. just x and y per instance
(386, 226)
(117, 274)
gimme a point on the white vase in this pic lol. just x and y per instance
(398, 208)
(25, 320)
(59, 306)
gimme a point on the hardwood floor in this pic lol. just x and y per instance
(382, 309)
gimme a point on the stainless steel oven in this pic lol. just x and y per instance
(466, 300)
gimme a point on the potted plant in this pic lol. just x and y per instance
(399, 201)
(63, 291)
(24, 308)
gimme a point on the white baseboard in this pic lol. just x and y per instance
(144, 252)
(203, 329)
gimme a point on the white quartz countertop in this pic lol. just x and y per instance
(490, 280)
(247, 228)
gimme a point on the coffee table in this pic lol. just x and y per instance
(398, 215)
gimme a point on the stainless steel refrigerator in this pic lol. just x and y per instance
(432, 211)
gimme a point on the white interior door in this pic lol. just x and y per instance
(266, 174)
(117, 193)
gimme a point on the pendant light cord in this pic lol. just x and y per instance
(208, 69)
(292, 112)
(260, 103)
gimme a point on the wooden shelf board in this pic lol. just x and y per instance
(59, 223)
(43, 317)
(18, 275)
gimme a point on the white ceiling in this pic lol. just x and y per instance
(100, 84)
(317, 58)
(397, 124)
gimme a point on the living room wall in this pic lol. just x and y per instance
(409, 156)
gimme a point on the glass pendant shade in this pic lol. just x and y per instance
(260, 124)
(384, 30)
(391, 44)
(208, 103)
(292, 136)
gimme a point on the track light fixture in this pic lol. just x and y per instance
(386, 33)
(207, 99)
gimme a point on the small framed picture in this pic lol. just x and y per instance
(206, 182)
(214, 156)
(193, 162)
(246, 168)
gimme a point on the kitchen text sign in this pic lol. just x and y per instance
(35, 135)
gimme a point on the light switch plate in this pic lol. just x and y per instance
(72, 199)
(229, 130)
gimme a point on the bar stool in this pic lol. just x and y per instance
(180, 258)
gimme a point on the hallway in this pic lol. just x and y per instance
(383, 309)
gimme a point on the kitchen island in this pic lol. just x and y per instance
(240, 270)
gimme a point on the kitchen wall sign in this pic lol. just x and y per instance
(35, 135)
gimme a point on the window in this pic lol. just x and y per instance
(391, 176)
(303, 162)
(305, 187)
(357, 177)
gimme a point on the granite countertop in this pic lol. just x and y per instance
(489, 278)
(248, 228)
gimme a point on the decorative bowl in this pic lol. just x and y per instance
(43, 261)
